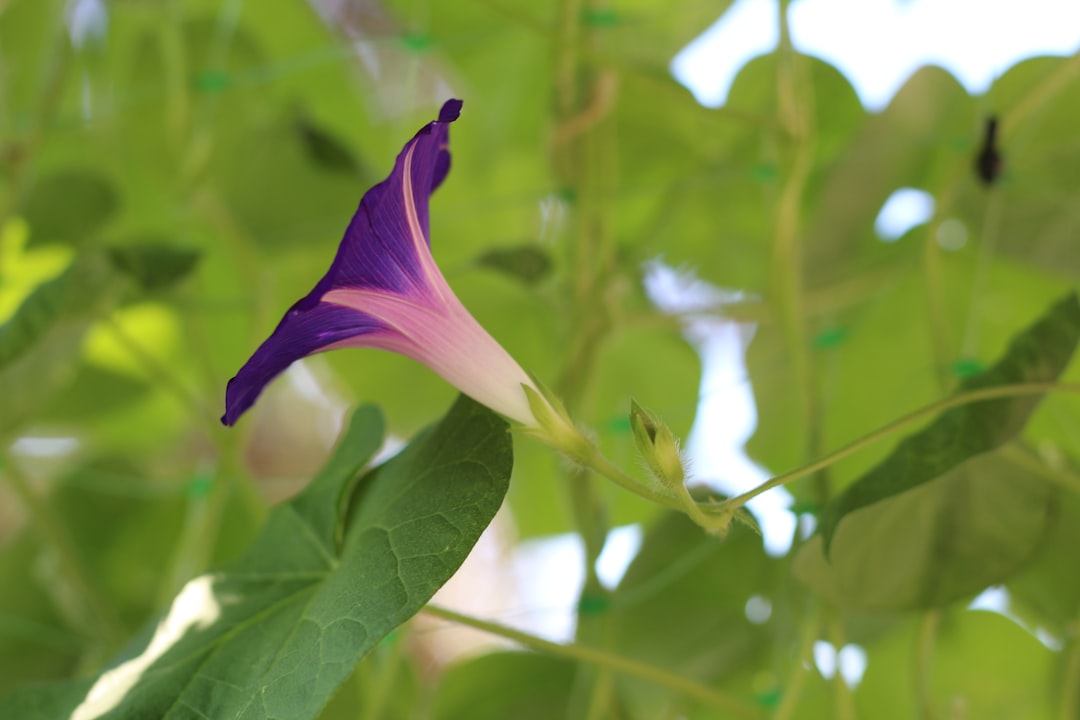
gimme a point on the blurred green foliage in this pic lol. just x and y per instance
(170, 184)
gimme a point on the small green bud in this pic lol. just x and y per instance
(658, 446)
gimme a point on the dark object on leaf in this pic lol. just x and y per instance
(527, 263)
(154, 265)
(989, 161)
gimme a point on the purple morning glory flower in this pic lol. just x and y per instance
(384, 290)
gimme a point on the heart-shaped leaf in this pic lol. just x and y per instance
(274, 635)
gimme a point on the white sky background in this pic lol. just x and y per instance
(877, 44)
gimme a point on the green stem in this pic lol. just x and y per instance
(71, 562)
(566, 57)
(713, 523)
(1070, 699)
(934, 279)
(787, 261)
(964, 398)
(715, 516)
(923, 670)
(721, 701)
(578, 153)
(844, 700)
(601, 696)
(590, 518)
(602, 466)
(796, 682)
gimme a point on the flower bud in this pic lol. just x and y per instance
(658, 446)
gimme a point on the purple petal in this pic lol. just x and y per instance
(302, 332)
(451, 111)
(382, 243)
(385, 248)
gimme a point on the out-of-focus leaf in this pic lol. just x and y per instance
(701, 185)
(649, 34)
(123, 525)
(971, 647)
(69, 206)
(39, 345)
(971, 528)
(1048, 589)
(1040, 353)
(527, 263)
(921, 140)
(275, 634)
(505, 685)
(154, 265)
(682, 606)
(857, 316)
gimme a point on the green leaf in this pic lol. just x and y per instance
(1040, 353)
(276, 633)
(323, 502)
(40, 344)
(974, 527)
(154, 265)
